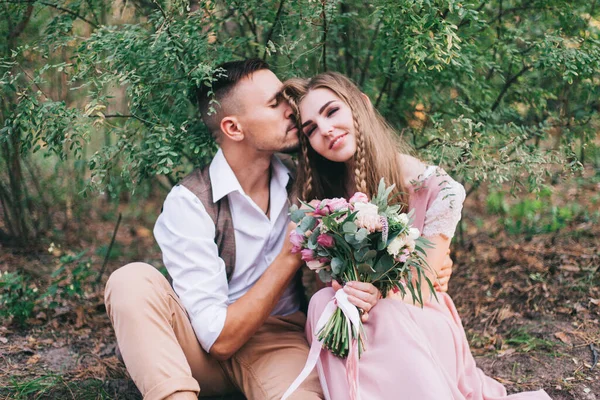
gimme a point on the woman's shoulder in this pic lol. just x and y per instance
(412, 168)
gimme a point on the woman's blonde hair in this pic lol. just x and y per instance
(377, 145)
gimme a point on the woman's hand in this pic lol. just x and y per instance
(363, 295)
(444, 274)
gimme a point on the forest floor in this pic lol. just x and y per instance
(526, 284)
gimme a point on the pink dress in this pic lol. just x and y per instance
(413, 352)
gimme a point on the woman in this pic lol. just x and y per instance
(412, 352)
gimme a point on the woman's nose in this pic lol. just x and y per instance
(326, 129)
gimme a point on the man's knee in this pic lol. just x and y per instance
(132, 283)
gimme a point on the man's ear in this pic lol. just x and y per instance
(232, 129)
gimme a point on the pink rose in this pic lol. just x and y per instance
(367, 217)
(358, 197)
(402, 258)
(325, 240)
(315, 265)
(324, 260)
(337, 204)
(307, 255)
(297, 240)
(322, 208)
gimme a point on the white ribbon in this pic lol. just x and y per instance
(353, 319)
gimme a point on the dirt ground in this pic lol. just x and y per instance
(530, 305)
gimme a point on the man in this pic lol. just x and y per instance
(224, 328)
(232, 322)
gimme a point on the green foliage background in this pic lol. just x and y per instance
(494, 91)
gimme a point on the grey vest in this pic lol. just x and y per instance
(198, 182)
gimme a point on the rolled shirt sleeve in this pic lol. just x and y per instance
(185, 233)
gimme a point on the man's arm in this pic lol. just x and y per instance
(250, 311)
(185, 234)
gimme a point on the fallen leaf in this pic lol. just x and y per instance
(595, 301)
(563, 337)
(80, 317)
(579, 308)
(34, 359)
(3, 340)
(504, 353)
(569, 268)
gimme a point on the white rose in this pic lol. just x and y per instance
(395, 246)
(402, 218)
(367, 216)
(414, 233)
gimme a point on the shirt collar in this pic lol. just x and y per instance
(224, 181)
(281, 173)
(222, 178)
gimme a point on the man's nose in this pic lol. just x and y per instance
(289, 113)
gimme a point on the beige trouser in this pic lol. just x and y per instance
(163, 356)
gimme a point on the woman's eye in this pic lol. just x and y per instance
(332, 111)
(309, 131)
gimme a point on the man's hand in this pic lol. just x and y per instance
(363, 295)
(441, 284)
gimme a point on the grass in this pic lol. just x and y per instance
(524, 342)
(54, 386)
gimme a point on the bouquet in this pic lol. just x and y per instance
(359, 240)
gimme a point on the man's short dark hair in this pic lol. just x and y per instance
(224, 80)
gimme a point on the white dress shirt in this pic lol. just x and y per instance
(185, 233)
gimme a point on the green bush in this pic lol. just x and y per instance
(18, 296)
(494, 91)
(534, 216)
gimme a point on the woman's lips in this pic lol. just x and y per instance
(337, 142)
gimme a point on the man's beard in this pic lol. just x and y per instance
(290, 148)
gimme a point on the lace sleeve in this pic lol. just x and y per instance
(442, 216)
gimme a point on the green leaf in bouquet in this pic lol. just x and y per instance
(308, 206)
(307, 223)
(383, 265)
(296, 214)
(392, 210)
(381, 187)
(312, 239)
(361, 235)
(340, 242)
(324, 275)
(424, 243)
(337, 265)
(349, 227)
(321, 252)
(351, 239)
(350, 217)
(365, 269)
(364, 254)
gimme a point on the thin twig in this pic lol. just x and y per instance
(65, 10)
(508, 84)
(478, 9)
(277, 16)
(112, 242)
(16, 31)
(363, 73)
(429, 143)
(594, 355)
(324, 40)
